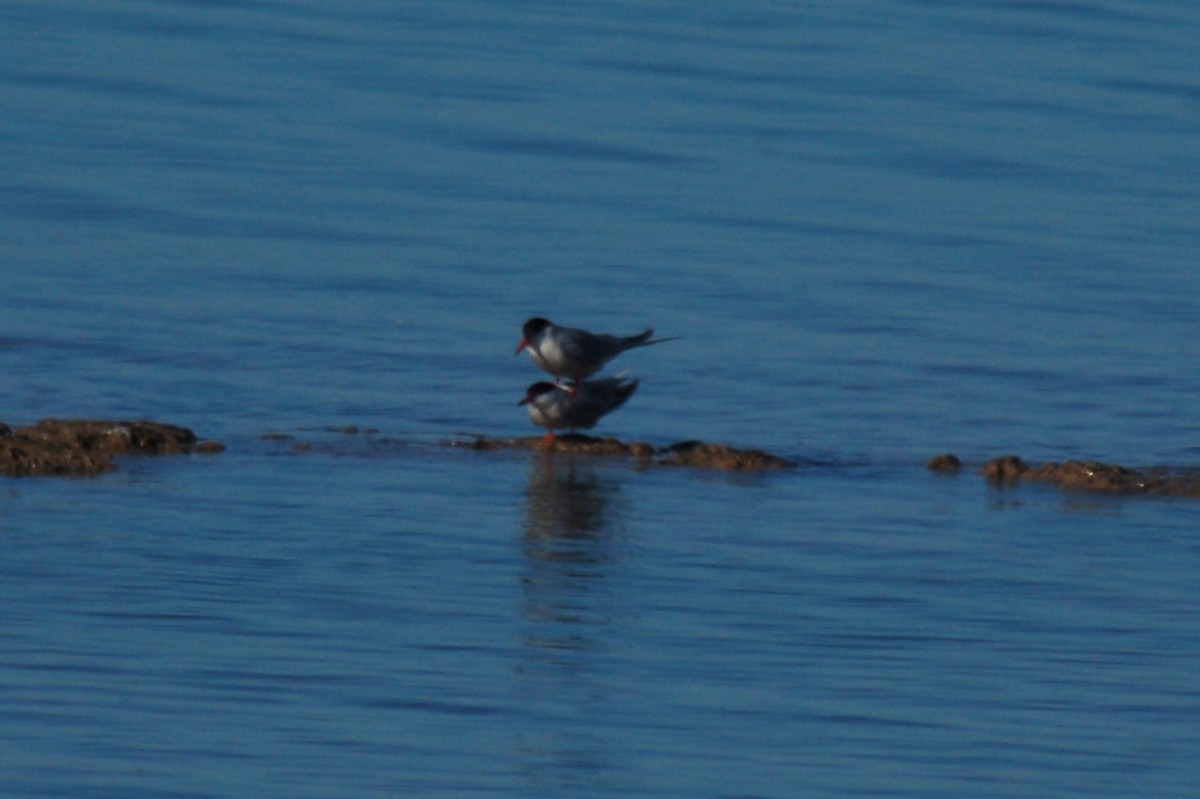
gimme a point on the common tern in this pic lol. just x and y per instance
(554, 407)
(568, 352)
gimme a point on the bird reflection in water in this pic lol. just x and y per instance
(570, 611)
(569, 525)
(565, 499)
(572, 516)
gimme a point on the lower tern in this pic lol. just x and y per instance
(554, 407)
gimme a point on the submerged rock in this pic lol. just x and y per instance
(685, 453)
(87, 446)
(944, 464)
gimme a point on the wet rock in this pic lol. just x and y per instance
(1089, 475)
(1095, 476)
(1005, 469)
(944, 464)
(697, 454)
(86, 446)
(586, 445)
(719, 456)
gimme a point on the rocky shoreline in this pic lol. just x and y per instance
(85, 447)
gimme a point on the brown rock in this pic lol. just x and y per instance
(1089, 475)
(1095, 476)
(1006, 469)
(685, 453)
(719, 456)
(944, 464)
(86, 447)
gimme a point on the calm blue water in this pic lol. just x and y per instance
(884, 230)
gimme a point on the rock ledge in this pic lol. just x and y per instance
(698, 454)
(1089, 476)
(86, 446)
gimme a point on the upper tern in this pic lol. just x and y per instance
(568, 352)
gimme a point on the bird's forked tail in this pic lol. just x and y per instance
(643, 339)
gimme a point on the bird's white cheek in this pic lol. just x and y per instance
(541, 413)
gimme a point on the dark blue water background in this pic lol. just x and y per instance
(884, 230)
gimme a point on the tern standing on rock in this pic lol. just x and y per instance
(554, 408)
(568, 352)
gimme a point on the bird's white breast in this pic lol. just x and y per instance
(548, 356)
(547, 411)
